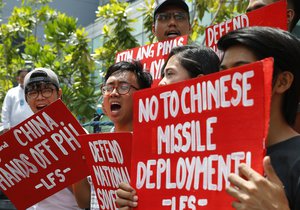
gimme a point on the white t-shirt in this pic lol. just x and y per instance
(62, 200)
(15, 108)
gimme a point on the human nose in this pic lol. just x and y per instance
(162, 82)
(114, 91)
(172, 20)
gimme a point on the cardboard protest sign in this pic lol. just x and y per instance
(273, 15)
(189, 136)
(41, 156)
(152, 56)
(108, 156)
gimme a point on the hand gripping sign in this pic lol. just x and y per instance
(41, 156)
(108, 156)
(189, 136)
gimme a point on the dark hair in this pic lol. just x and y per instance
(144, 79)
(294, 5)
(22, 70)
(283, 47)
(195, 59)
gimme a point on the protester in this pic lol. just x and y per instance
(15, 109)
(121, 81)
(293, 10)
(41, 89)
(280, 188)
(171, 19)
(184, 62)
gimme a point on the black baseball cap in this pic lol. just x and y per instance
(163, 4)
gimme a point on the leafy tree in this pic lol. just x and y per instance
(65, 51)
(66, 46)
(117, 31)
(220, 11)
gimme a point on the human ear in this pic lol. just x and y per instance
(283, 82)
(190, 28)
(290, 16)
(59, 95)
(153, 29)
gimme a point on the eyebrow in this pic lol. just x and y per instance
(236, 64)
(118, 81)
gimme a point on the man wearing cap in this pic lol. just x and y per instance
(41, 89)
(171, 19)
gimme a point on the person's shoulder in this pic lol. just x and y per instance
(14, 89)
(11, 92)
(289, 149)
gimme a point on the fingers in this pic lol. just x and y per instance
(254, 191)
(270, 172)
(121, 202)
(126, 197)
(239, 187)
(237, 181)
(246, 174)
(126, 187)
(237, 205)
(249, 173)
(124, 208)
(244, 184)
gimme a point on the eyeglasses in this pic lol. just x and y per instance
(46, 93)
(166, 16)
(122, 89)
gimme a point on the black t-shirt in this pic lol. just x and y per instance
(285, 158)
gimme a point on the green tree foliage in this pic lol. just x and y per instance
(65, 47)
(218, 11)
(148, 11)
(65, 50)
(117, 34)
(117, 31)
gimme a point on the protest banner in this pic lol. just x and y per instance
(108, 156)
(190, 135)
(152, 56)
(273, 15)
(41, 156)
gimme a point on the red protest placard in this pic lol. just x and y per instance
(273, 15)
(189, 136)
(152, 56)
(108, 156)
(41, 156)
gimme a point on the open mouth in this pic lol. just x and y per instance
(115, 107)
(173, 34)
(39, 107)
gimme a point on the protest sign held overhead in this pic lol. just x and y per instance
(273, 15)
(152, 56)
(199, 131)
(41, 156)
(108, 156)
